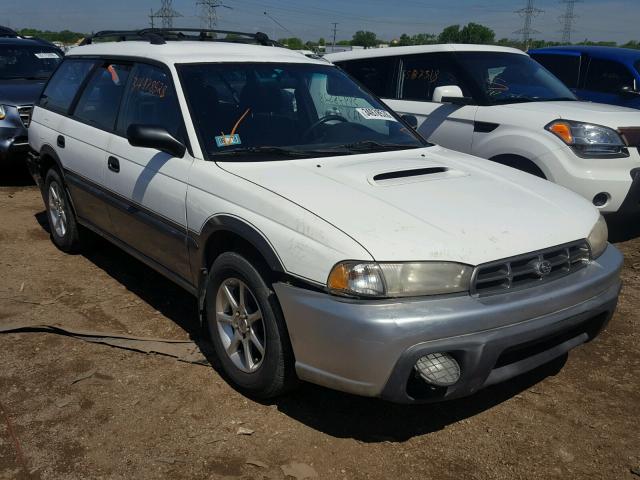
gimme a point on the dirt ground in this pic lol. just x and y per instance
(147, 416)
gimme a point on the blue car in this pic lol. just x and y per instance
(597, 74)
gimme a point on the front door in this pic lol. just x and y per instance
(605, 81)
(150, 186)
(442, 123)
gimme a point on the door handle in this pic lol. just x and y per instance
(60, 141)
(114, 164)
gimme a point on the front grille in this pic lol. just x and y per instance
(530, 269)
(25, 114)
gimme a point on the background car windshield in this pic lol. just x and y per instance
(299, 107)
(504, 78)
(638, 70)
(19, 61)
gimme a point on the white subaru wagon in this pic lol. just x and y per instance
(500, 104)
(325, 240)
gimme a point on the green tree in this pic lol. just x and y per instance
(294, 43)
(365, 39)
(450, 34)
(476, 33)
(405, 41)
(322, 42)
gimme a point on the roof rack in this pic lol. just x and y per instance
(160, 36)
(8, 32)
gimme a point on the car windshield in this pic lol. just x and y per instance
(267, 111)
(502, 78)
(28, 61)
(638, 70)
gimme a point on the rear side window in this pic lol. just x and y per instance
(422, 74)
(565, 67)
(607, 76)
(151, 100)
(100, 100)
(375, 74)
(64, 85)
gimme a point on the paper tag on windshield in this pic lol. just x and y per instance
(228, 140)
(45, 55)
(375, 114)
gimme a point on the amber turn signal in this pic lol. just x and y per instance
(563, 131)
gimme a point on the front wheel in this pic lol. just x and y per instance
(62, 221)
(247, 328)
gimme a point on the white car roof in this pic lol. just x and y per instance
(174, 52)
(395, 51)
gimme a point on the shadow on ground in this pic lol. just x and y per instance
(334, 413)
(15, 174)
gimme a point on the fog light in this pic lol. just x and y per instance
(601, 199)
(439, 369)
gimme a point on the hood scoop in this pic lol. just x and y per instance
(399, 177)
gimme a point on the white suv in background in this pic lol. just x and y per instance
(324, 239)
(498, 103)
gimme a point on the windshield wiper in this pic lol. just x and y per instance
(20, 77)
(286, 152)
(371, 145)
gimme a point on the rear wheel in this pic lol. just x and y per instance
(247, 328)
(62, 221)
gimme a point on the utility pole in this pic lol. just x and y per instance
(567, 19)
(209, 14)
(528, 12)
(152, 19)
(335, 32)
(166, 14)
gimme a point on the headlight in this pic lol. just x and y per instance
(589, 140)
(3, 112)
(398, 279)
(598, 238)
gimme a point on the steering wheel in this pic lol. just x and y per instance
(322, 121)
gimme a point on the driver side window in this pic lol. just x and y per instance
(422, 74)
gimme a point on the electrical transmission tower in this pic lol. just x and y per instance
(528, 12)
(567, 19)
(166, 14)
(335, 33)
(209, 13)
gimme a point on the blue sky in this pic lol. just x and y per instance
(616, 20)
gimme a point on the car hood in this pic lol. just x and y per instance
(611, 116)
(458, 208)
(20, 92)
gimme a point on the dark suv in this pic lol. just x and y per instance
(25, 65)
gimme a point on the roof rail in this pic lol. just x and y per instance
(160, 36)
(8, 32)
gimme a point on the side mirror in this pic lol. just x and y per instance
(411, 120)
(153, 136)
(627, 91)
(450, 94)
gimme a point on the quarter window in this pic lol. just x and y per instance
(151, 100)
(64, 85)
(607, 76)
(422, 74)
(100, 101)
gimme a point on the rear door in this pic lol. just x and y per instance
(445, 124)
(605, 80)
(150, 186)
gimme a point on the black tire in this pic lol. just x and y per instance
(275, 373)
(66, 239)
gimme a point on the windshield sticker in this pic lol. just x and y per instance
(115, 78)
(46, 55)
(375, 114)
(150, 86)
(228, 140)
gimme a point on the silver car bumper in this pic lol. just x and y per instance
(370, 347)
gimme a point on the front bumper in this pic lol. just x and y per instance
(370, 347)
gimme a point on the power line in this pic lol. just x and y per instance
(166, 14)
(278, 23)
(567, 19)
(528, 12)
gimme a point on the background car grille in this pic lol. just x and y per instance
(521, 271)
(25, 114)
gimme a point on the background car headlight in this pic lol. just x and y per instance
(588, 140)
(598, 238)
(410, 279)
(3, 112)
